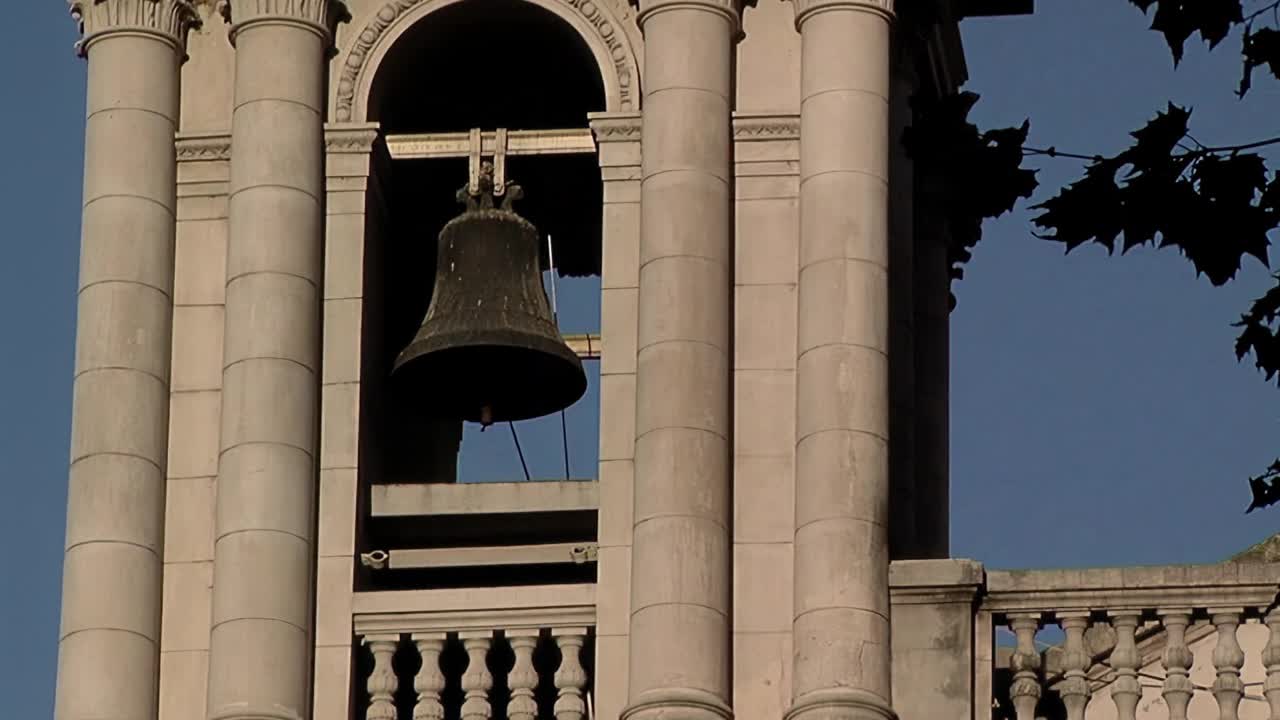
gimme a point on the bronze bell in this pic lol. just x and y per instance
(489, 350)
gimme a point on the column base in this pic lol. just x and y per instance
(677, 704)
(840, 704)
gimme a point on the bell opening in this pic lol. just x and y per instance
(484, 64)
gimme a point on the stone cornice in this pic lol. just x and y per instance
(170, 20)
(320, 16)
(204, 147)
(807, 8)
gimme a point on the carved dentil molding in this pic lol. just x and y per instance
(321, 15)
(806, 8)
(169, 19)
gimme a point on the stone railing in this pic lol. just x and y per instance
(1162, 642)
(519, 663)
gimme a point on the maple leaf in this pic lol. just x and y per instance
(1261, 47)
(1090, 209)
(1157, 140)
(1178, 20)
(1265, 488)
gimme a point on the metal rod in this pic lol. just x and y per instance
(564, 437)
(519, 452)
(555, 316)
(551, 261)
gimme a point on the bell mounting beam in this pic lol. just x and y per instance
(478, 146)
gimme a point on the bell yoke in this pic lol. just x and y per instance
(489, 349)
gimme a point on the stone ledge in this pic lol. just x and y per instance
(1196, 587)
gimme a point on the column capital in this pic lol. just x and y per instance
(731, 9)
(169, 20)
(807, 8)
(319, 16)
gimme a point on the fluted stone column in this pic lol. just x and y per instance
(681, 553)
(259, 656)
(108, 648)
(841, 627)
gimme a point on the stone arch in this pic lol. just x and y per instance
(607, 26)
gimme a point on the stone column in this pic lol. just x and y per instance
(841, 626)
(681, 558)
(260, 656)
(111, 587)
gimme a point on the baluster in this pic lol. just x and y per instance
(1271, 660)
(1177, 661)
(1125, 690)
(1074, 688)
(1228, 658)
(382, 683)
(1025, 662)
(570, 678)
(523, 677)
(477, 681)
(429, 681)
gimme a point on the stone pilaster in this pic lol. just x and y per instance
(260, 655)
(766, 246)
(681, 555)
(841, 614)
(618, 137)
(111, 594)
(353, 214)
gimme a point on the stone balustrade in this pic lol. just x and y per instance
(1173, 642)
(474, 666)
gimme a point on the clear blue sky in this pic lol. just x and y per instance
(1098, 414)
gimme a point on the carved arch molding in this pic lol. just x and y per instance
(607, 26)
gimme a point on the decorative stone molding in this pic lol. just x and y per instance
(321, 16)
(807, 8)
(356, 139)
(600, 15)
(762, 126)
(616, 127)
(167, 19)
(204, 147)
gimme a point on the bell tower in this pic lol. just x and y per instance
(321, 251)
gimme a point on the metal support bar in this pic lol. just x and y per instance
(570, 141)
(555, 553)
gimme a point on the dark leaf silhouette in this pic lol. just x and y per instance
(1265, 488)
(1214, 208)
(981, 171)
(1178, 20)
(1260, 47)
